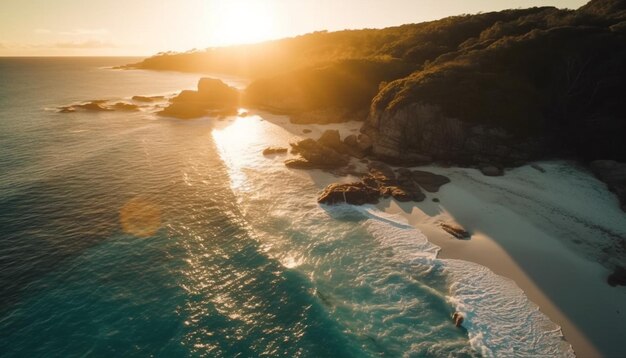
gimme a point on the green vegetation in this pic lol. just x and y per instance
(540, 71)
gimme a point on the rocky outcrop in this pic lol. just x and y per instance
(332, 139)
(147, 99)
(315, 156)
(382, 180)
(614, 175)
(456, 231)
(353, 193)
(123, 106)
(329, 152)
(617, 277)
(99, 105)
(213, 97)
(491, 171)
(274, 150)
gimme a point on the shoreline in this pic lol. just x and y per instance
(580, 309)
(568, 288)
(589, 311)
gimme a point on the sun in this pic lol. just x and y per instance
(240, 21)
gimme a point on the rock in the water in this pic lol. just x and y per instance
(321, 156)
(429, 181)
(66, 109)
(614, 175)
(618, 277)
(330, 138)
(123, 106)
(142, 99)
(301, 163)
(353, 193)
(491, 171)
(458, 318)
(212, 94)
(183, 111)
(93, 106)
(456, 231)
(306, 131)
(274, 150)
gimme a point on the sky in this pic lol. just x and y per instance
(145, 27)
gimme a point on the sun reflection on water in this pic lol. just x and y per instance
(234, 142)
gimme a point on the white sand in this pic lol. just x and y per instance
(516, 234)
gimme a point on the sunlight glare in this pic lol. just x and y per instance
(240, 21)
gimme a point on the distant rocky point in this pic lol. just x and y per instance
(212, 97)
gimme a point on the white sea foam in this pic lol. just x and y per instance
(501, 321)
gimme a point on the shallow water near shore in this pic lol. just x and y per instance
(243, 261)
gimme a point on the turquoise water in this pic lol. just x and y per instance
(238, 259)
(229, 272)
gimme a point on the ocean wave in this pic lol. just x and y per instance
(500, 319)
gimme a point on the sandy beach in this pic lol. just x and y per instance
(546, 231)
(539, 229)
(566, 284)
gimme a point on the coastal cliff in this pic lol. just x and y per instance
(555, 91)
(492, 90)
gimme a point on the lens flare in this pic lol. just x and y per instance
(140, 217)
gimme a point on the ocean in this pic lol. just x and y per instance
(239, 261)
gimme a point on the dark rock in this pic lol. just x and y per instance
(456, 231)
(614, 175)
(491, 171)
(214, 90)
(330, 138)
(364, 142)
(183, 111)
(399, 194)
(429, 181)
(123, 106)
(353, 193)
(301, 163)
(435, 200)
(142, 99)
(93, 106)
(274, 150)
(317, 155)
(617, 277)
(306, 131)
(212, 95)
(382, 173)
(351, 140)
(402, 188)
(458, 318)
(66, 109)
